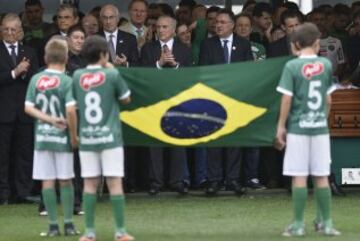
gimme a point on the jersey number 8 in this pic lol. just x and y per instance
(93, 112)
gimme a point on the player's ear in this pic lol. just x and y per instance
(316, 45)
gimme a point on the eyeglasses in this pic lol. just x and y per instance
(108, 18)
(223, 22)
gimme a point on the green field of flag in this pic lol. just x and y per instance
(222, 105)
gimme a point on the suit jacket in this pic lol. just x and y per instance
(13, 91)
(126, 44)
(211, 51)
(151, 52)
(279, 48)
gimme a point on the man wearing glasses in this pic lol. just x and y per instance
(224, 48)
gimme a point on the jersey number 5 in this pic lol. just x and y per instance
(314, 95)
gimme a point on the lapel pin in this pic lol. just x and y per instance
(233, 48)
(121, 41)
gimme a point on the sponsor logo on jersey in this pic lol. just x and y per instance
(47, 82)
(91, 80)
(310, 70)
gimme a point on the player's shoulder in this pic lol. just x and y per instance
(326, 62)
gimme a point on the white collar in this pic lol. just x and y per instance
(63, 34)
(9, 44)
(312, 56)
(134, 28)
(229, 39)
(107, 34)
(93, 66)
(169, 43)
(55, 71)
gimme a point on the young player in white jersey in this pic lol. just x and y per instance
(47, 100)
(98, 91)
(306, 85)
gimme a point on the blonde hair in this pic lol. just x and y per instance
(56, 51)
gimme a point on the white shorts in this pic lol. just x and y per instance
(307, 155)
(51, 165)
(109, 163)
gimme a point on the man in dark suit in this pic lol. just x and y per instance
(17, 65)
(289, 20)
(224, 48)
(166, 53)
(122, 46)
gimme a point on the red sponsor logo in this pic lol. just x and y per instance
(47, 82)
(310, 70)
(90, 80)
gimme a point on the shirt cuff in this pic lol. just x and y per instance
(158, 65)
(125, 96)
(70, 103)
(13, 74)
(284, 91)
(29, 103)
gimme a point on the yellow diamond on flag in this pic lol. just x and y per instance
(197, 115)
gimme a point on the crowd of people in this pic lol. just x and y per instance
(158, 36)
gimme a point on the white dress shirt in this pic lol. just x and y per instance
(229, 44)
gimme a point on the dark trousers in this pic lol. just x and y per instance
(16, 160)
(224, 163)
(77, 181)
(136, 166)
(273, 162)
(198, 157)
(251, 162)
(174, 158)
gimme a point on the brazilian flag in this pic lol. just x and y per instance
(221, 105)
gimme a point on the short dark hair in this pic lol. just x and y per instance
(33, 3)
(305, 35)
(73, 9)
(342, 9)
(262, 7)
(291, 14)
(212, 9)
(317, 11)
(93, 47)
(292, 6)
(227, 12)
(243, 15)
(140, 1)
(166, 9)
(248, 3)
(76, 28)
(187, 3)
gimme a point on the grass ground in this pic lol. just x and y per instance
(167, 217)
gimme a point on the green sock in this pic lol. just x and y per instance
(89, 201)
(118, 204)
(67, 201)
(49, 197)
(299, 196)
(324, 202)
(318, 218)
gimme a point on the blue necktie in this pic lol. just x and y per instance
(226, 51)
